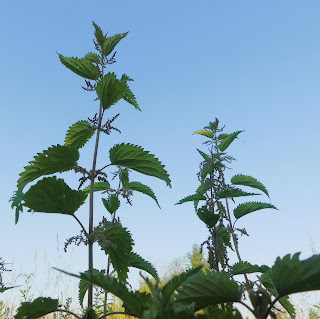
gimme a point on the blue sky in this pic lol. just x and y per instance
(253, 64)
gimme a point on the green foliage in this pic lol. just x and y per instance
(208, 217)
(92, 57)
(117, 243)
(136, 158)
(128, 94)
(55, 159)
(290, 275)
(233, 192)
(101, 39)
(52, 195)
(247, 208)
(191, 198)
(209, 289)
(205, 133)
(37, 308)
(97, 187)
(112, 204)
(111, 42)
(245, 267)
(79, 134)
(227, 140)
(110, 90)
(248, 181)
(16, 200)
(82, 67)
(144, 189)
(138, 262)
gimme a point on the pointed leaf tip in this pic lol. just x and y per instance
(247, 208)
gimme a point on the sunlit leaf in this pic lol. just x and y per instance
(82, 67)
(247, 208)
(79, 134)
(136, 158)
(227, 140)
(248, 181)
(138, 262)
(144, 189)
(205, 133)
(37, 308)
(55, 159)
(52, 195)
(110, 90)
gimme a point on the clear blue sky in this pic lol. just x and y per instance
(253, 64)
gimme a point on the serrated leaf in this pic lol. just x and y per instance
(111, 43)
(250, 181)
(101, 39)
(222, 136)
(111, 204)
(245, 267)
(138, 262)
(52, 195)
(55, 159)
(209, 168)
(247, 208)
(204, 155)
(174, 283)
(92, 57)
(291, 275)
(128, 95)
(37, 308)
(234, 192)
(208, 217)
(227, 313)
(132, 300)
(16, 200)
(223, 234)
(136, 158)
(227, 140)
(97, 187)
(82, 67)
(117, 243)
(83, 286)
(144, 189)
(110, 90)
(205, 133)
(191, 198)
(79, 134)
(209, 289)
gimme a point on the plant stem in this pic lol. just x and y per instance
(234, 239)
(90, 240)
(76, 218)
(112, 313)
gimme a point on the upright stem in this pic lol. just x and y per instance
(90, 239)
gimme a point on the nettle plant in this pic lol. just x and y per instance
(53, 195)
(213, 293)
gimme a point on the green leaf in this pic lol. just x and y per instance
(247, 208)
(227, 140)
(205, 133)
(110, 90)
(79, 134)
(191, 198)
(208, 217)
(116, 242)
(209, 289)
(83, 285)
(92, 57)
(223, 234)
(291, 275)
(136, 186)
(16, 200)
(101, 39)
(111, 43)
(82, 67)
(173, 284)
(137, 261)
(222, 136)
(55, 159)
(209, 168)
(97, 187)
(117, 288)
(52, 195)
(128, 95)
(248, 181)
(233, 192)
(245, 267)
(226, 313)
(3, 289)
(204, 155)
(37, 308)
(112, 204)
(136, 158)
